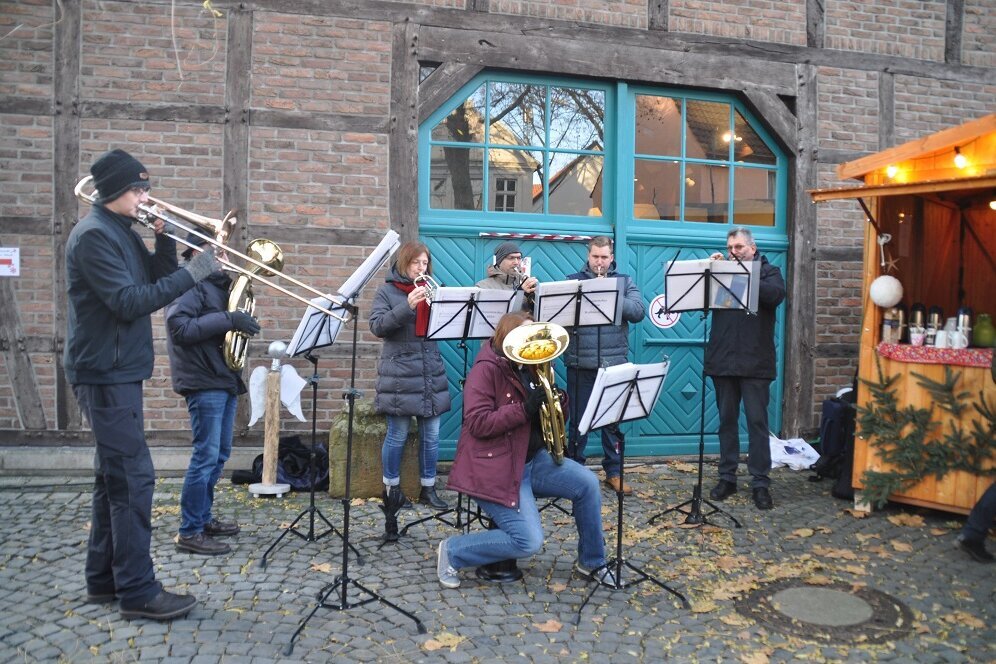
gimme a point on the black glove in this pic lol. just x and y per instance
(243, 322)
(534, 399)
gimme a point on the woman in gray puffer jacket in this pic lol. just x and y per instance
(411, 377)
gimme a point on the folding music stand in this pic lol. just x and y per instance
(463, 313)
(703, 285)
(623, 393)
(326, 335)
(573, 304)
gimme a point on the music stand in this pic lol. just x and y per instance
(703, 285)
(573, 304)
(326, 335)
(463, 313)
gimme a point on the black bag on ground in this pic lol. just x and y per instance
(293, 466)
(836, 431)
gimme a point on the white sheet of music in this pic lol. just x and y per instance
(612, 383)
(601, 300)
(732, 285)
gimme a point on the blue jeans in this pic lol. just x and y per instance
(117, 557)
(980, 519)
(611, 437)
(394, 445)
(754, 393)
(212, 417)
(520, 532)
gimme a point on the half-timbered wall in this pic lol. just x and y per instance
(302, 115)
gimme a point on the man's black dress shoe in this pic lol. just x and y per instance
(975, 548)
(762, 498)
(202, 544)
(216, 528)
(723, 490)
(164, 606)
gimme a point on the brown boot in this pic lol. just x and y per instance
(615, 482)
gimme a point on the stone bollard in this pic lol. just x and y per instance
(369, 429)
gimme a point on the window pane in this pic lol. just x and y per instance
(577, 119)
(658, 126)
(455, 177)
(749, 147)
(465, 122)
(754, 204)
(576, 184)
(519, 173)
(706, 193)
(517, 113)
(656, 189)
(709, 132)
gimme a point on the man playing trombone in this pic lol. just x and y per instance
(114, 285)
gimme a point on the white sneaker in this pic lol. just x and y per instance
(603, 575)
(448, 577)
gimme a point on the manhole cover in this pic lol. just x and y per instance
(832, 613)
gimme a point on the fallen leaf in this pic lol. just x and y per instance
(558, 587)
(857, 514)
(683, 467)
(735, 620)
(937, 532)
(550, 625)
(904, 519)
(357, 502)
(728, 562)
(801, 532)
(901, 546)
(759, 657)
(839, 554)
(444, 640)
(325, 568)
(818, 580)
(855, 569)
(963, 618)
(704, 606)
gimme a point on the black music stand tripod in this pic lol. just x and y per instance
(623, 393)
(311, 511)
(735, 288)
(342, 582)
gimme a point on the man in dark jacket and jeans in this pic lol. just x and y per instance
(740, 359)
(196, 323)
(114, 284)
(602, 346)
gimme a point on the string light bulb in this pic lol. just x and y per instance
(960, 160)
(891, 170)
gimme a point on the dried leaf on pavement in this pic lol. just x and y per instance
(901, 546)
(550, 625)
(324, 568)
(904, 519)
(444, 640)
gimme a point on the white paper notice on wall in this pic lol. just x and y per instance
(10, 261)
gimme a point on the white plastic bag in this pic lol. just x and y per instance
(795, 453)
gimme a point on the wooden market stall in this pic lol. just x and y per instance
(931, 208)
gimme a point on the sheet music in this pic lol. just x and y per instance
(730, 283)
(365, 272)
(613, 383)
(491, 306)
(452, 304)
(601, 301)
(317, 329)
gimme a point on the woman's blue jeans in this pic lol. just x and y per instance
(212, 418)
(520, 533)
(394, 445)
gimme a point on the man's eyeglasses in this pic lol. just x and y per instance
(513, 257)
(736, 247)
(138, 191)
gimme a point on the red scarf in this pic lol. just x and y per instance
(421, 309)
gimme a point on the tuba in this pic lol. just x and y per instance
(240, 297)
(538, 345)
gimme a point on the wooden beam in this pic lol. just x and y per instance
(403, 130)
(657, 14)
(26, 226)
(954, 25)
(832, 351)
(537, 50)
(801, 303)
(836, 156)
(68, 39)
(23, 383)
(479, 5)
(772, 111)
(441, 84)
(815, 23)
(838, 254)
(130, 110)
(26, 106)
(235, 145)
(926, 187)
(886, 110)
(942, 140)
(364, 124)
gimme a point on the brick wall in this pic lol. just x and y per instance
(925, 105)
(622, 13)
(26, 48)
(26, 158)
(848, 109)
(978, 48)
(779, 21)
(907, 28)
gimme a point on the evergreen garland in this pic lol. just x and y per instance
(900, 435)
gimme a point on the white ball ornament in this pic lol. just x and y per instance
(886, 291)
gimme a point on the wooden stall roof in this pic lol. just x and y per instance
(925, 165)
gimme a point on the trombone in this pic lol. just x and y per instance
(221, 230)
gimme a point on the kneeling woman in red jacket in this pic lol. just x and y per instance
(502, 462)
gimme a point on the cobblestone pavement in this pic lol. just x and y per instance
(247, 613)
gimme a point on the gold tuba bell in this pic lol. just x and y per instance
(538, 345)
(240, 297)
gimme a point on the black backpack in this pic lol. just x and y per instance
(836, 445)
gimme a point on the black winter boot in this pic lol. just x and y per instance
(393, 500)
(429, 497)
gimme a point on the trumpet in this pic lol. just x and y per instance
(426, 281)
(220, 230)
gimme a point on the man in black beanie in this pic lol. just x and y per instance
(114, 286)
(505, 273)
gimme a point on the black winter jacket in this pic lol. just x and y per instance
(196, 323)
(114, 284)
(744, 345)
(606, 345)
(411, 376)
